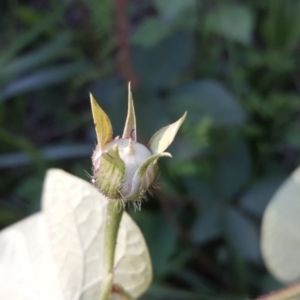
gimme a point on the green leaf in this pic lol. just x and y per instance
(280, 240)
(150, 33)
(43, 78)
(150, 106)
(159, 66)
(207, 98)
(172, 8)
(269, 284)
(256, 199)
(177, 14)
(30, 188)
(157, 231)
(241, 235)
(234, 22)
(59, 152)
(233, 171)
(207, 226)
(198, 188)
(294, 22)
(27, 62)
(164, 292)
(58, 253)
(29, 36)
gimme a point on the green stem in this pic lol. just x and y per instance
(113, 219)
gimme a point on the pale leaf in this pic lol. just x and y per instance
(133, 268)
(27, 270)
(58, 254)
(280, 231)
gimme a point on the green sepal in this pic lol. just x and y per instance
(130, 124)
(102, 123)
(110, 174)
(162, 139)
(141, 180)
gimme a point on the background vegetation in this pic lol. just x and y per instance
(233, 65)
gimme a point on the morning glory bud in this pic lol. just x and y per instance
(124, 169)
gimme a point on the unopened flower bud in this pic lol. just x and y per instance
(124, 169)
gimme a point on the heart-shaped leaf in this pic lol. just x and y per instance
(58, 253)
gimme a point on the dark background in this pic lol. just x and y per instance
(233, 65)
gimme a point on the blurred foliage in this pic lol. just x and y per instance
(233, 65)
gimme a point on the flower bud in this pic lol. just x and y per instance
(124, 169)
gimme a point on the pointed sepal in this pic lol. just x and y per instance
(130, 124)
(111, 173)
(162, 139)
(102, 124)
(143, 177)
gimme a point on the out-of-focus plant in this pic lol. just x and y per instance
(87, 246)
(38, 68)
(232, 64)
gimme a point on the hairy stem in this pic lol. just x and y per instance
(113, 219)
